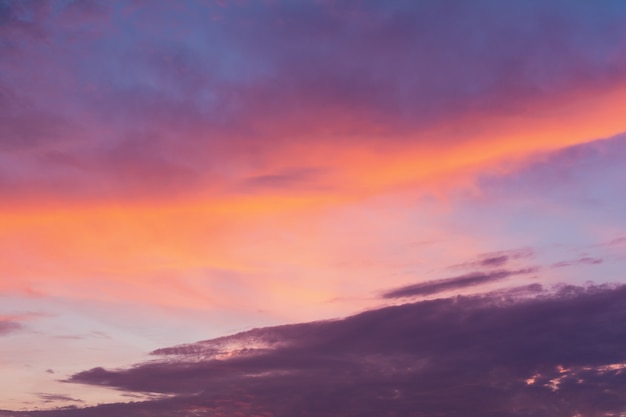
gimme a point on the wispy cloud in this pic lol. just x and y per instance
(7, 326)
(497, 259)
(10, 323)
(455, 283)
(52, 398)
(584, 260)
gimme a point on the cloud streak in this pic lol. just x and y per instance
(7, 326)
(51, 398)
(496, 259)
(584, 260)
(456, 283)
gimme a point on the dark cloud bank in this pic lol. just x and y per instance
(524, 352)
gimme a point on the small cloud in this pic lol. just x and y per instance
(49, 371)
(69, 337)
(288, 178)
(100, 335)
(51, 398)
(585, 260)
(496, 259)
(463, 281)
(90, 335)
(7, 326)
(617, 241)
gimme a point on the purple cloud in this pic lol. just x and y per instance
(588, 176)
(554, 354)
(152, 97)
(8, 326)
(585, 260)
(289, 178)
(463, 281)
(496, 259)
(618, 241)
(51, 398)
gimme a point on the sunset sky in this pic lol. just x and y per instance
(448, 177)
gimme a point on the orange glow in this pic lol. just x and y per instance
(472, 143)
(132, 250)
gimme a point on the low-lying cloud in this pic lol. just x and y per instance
(554, 353)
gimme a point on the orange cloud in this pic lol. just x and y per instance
(157, 251)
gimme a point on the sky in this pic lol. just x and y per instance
(312, 208)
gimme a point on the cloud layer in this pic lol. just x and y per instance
(510, 353)
(168, 167)
(141, 100)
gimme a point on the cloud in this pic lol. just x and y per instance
(496, 259)
(455, 283)
(585, 176)
(556, 353)
(51, 398)
(585, 260)
(285, 179)
(617, 241)
(7, 326)
(154, 99)
(91, 335)
(163, 124)
(10, 323)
